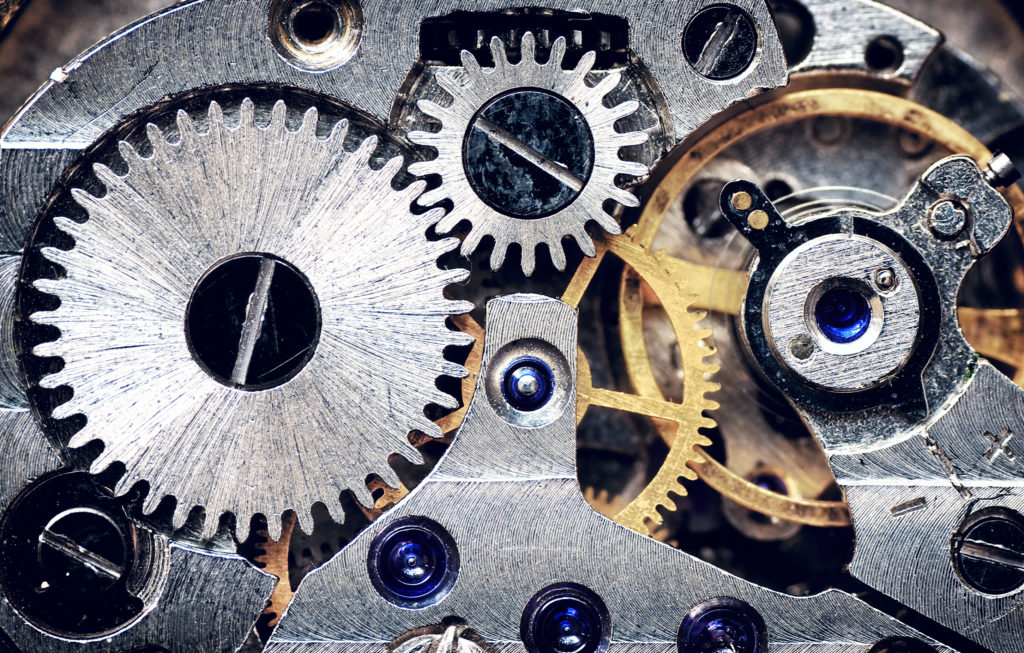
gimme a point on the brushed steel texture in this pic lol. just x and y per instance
(236, 188)
(473, 87)
(508, 495)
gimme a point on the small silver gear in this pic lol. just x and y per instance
(131, 275)
(472, 88)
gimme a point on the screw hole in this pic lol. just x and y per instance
(777, 188)
(314, 23)
(796, 30)
(315, 35)
(884, 54)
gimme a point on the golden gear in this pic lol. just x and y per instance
(683, 419)
(996, 333)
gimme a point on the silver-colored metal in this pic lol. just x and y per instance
(910, 485)
(196, 602)
(12, 395)
(954, 361)
(1001, 170)
(201, 602)
(509, 497)
(849, 262)
(946, 219)
(471, 88)
(452, 638)
(105, 84)
(909, 499)
(885, 279)
(240, 187)
(844, 30)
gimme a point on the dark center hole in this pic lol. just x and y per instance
(82, 549)
(253, 321)
(884, 54)
(314, 23)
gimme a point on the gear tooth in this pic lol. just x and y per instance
(413, 191)
(606, 222)
(186, 127)
(106, 175)
(45, 349)
(304, 518)
(362, 496)
(151, 502)
(434, 110)
(388, 475)
(470, 63)
(274, 526)
(456, 276)
(623, 197)
(528, 47)
(454, 370)
(632, 168)
(156, 139)
(247, 113)
(607, 84)
(338, 132)
(585, 65)
(365, 150)
(180, 516)
(622, 110)
(391, 168)
(557, 253)
(278, 114)
(449, 83)
(624, 139)
(498, 53)
(498, 256)
(557, 52)
(309, 121)
(128, 153)
(586, 243)
(216, 116)
(434, 196)
(81, 439)
(443, 399)
(426, 139)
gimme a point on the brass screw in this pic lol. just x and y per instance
(757, 219)
(742, 201)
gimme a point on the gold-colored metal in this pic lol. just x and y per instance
(8, 8)
(997, 334)
(722, 290)
(757, 219)
(741, 201)
(273, 559)
(683, 419)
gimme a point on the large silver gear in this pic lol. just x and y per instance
(231, 189)
(472, 88)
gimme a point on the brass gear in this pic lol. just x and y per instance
(995, 333)
(683, 419)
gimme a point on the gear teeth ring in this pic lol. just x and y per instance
(472, 89)
(130, 282)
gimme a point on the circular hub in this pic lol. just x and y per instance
(834, 321)
(722, 625)
(989, 550)
(843, 315)
(413, 562)
(528, 154)
(528, 384)
(253, 321)
(565, 618)
(70, 559)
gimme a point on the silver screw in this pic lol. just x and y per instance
(885, 279)
(1000, 171)
(946, 219)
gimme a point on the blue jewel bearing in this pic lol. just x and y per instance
(413, 562)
